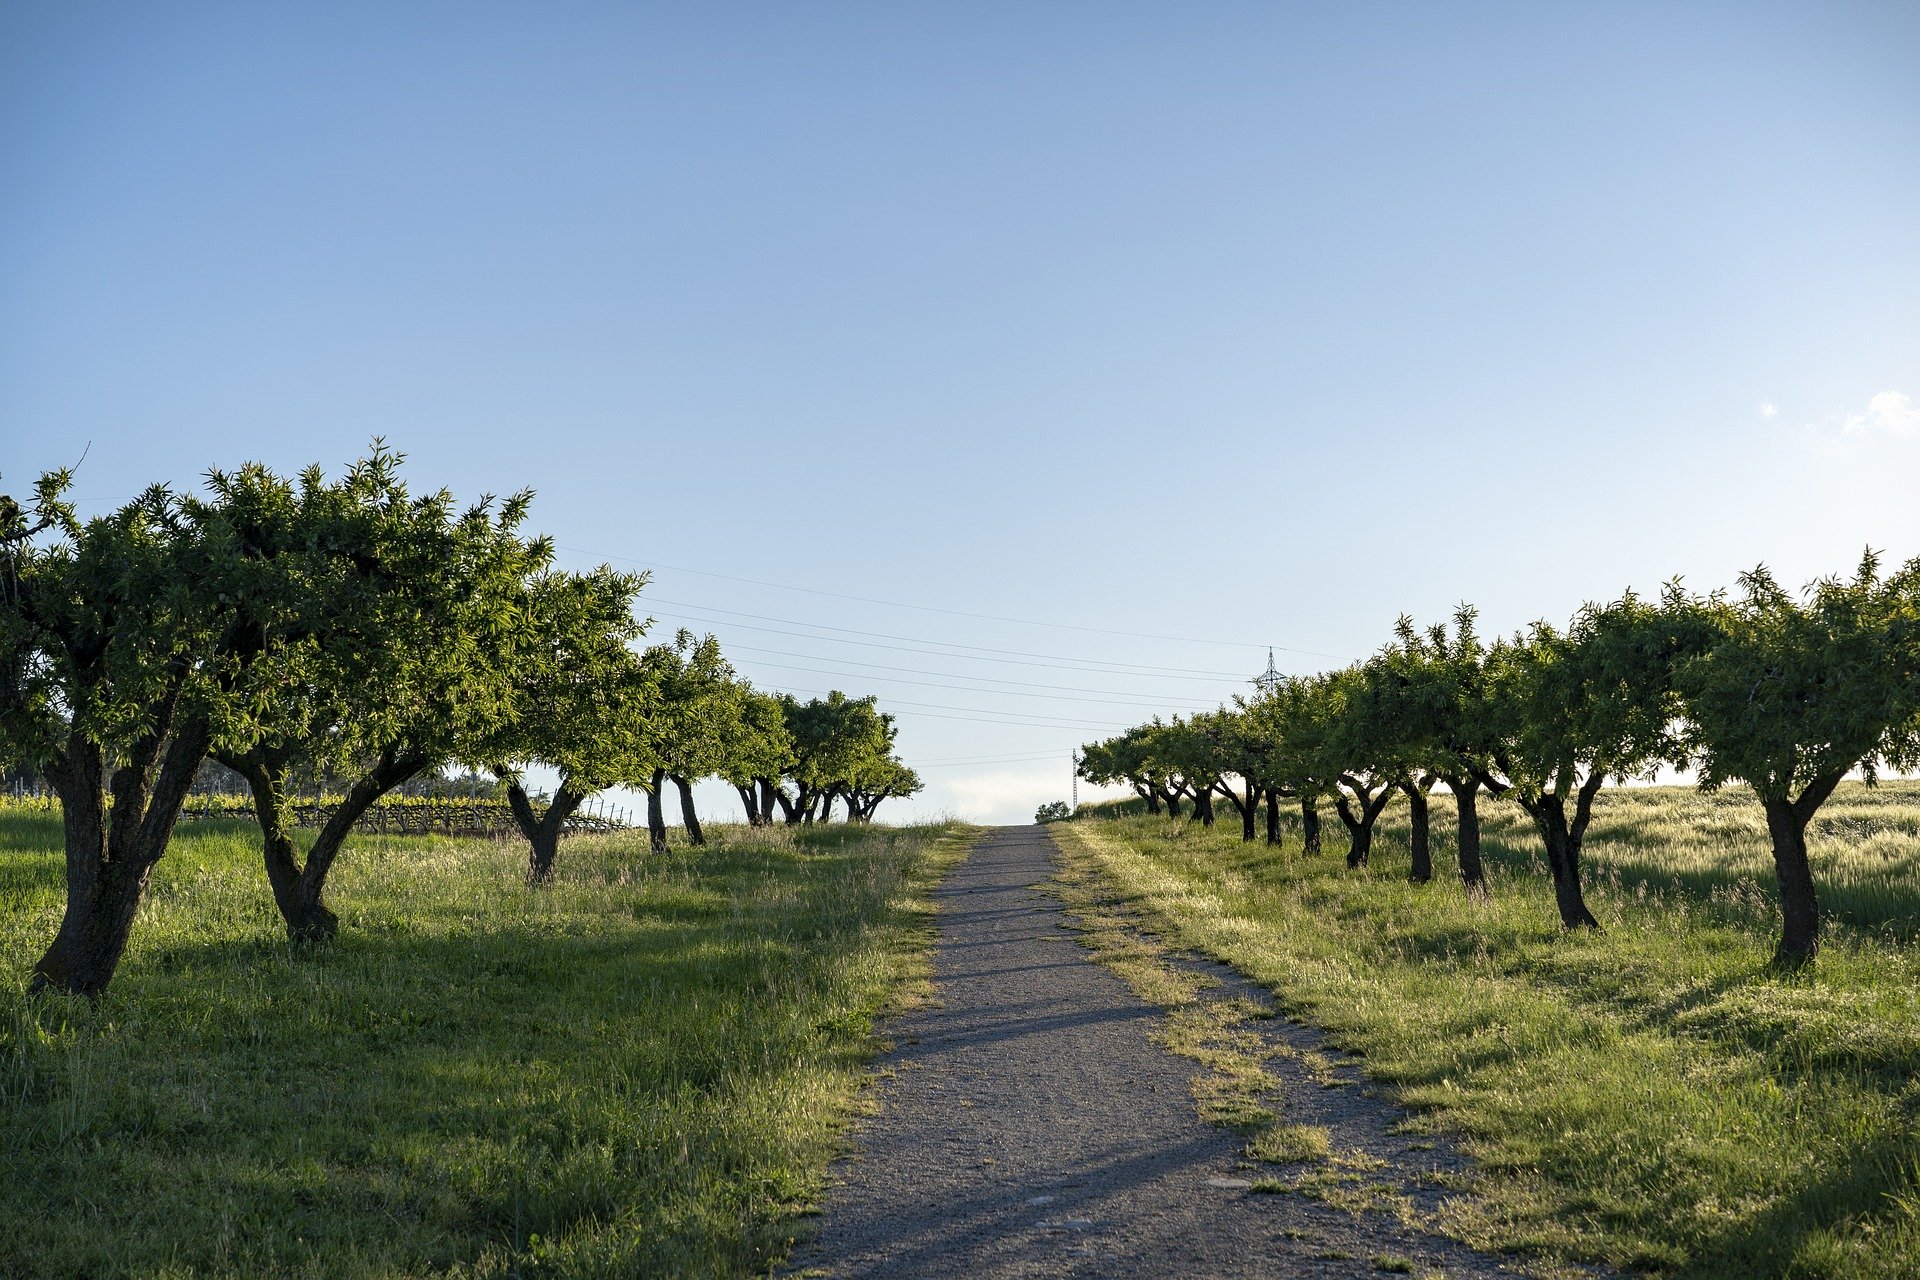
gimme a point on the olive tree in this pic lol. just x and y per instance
(1790, 695)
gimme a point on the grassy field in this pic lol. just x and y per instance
(639, 1070)
(1651, 1096)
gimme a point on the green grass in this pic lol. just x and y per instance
(1652, 1096)
(639, 1070)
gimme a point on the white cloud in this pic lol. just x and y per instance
(1890, 413)
(1769, 410)
(1005, 795)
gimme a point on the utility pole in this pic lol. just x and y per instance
(1269, 680)
(1076, 777)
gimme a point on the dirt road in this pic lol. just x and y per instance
(1030, 1126)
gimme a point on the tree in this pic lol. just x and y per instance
(127, 645)
(582, 702)
(1194, 752)
(1572, 711)
(697, 715)
(759, 755)
(1126, 758)
(392, 661)
(1789, 696)
(1299, 719)
(833, 738)
(878, 780)
(1433, 688)
(1364, 752)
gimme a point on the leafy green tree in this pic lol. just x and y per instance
(1365, 752)
(1792, 695)
(758, 755)
(583, 702)
(1574, 710)
(1266, 758)
(1433, 687)
(833, 738)
(1243, 753)
(128, 644)
(1305, 759)
(696, 716)
(881, 779)
(391, 664)
(1194, 751)
(1128, 758)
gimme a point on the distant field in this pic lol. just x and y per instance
(1649, 1096)
(638, 1070)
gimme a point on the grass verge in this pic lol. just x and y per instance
(1651, 1096)
(639, 1070)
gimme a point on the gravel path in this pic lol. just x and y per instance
(1028, 1126)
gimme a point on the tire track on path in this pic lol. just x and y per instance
(1028, 1126)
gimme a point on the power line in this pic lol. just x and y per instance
(922, 671)
(1065, 722)
(1140, 669)
(927, 608)
(1011, 693)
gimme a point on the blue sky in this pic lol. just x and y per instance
(1216, 325)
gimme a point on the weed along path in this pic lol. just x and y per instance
(1042, 1118)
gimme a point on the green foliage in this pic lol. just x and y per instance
(582, 700)
(1053, 811)
(1791, 695)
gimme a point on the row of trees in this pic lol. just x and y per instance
(352, 629)
(1787, 694)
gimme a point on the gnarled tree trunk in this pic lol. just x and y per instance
(656, 820)
(543, 831)
(688, 818)
(299, 886)
(111, 852)
(1360, 825)
(1799, 906)
(1273, 817)
(1466, 792)
(1309, 825)
(1419, 838)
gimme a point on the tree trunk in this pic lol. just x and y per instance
(1466, 797)
(1203, 805)
(543, 831)
(1309, 825)
(749, 802)
(656, 820)
(1563, 840)
(111, 852)
(826, 810)
(1372, 803)
(1249, 809)
(1273, 817)
(1799, 907)
(1419, 839)
(1153, 801)
(1173, 803)
(789, 811)
(299, 888)
(688, 818)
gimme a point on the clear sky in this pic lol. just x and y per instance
(1220, 325)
